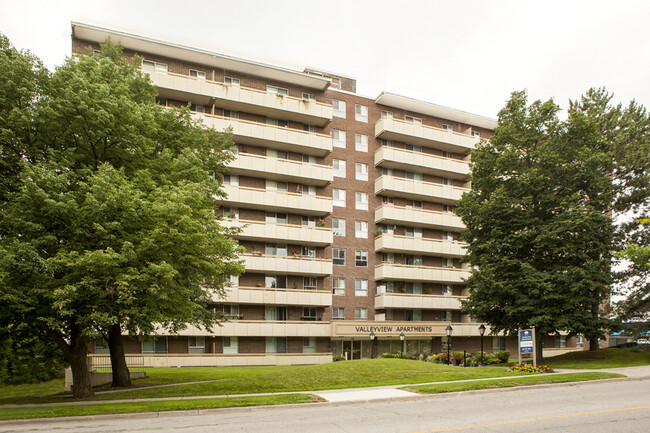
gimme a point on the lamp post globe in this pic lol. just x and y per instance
(372, 341)
(448, 330)
(481, 330)
(401, 338)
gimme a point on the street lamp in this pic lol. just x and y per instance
(481, 330)
(372, 340)
(449, 330)
(401, 338)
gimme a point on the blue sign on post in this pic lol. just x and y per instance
(526, 341)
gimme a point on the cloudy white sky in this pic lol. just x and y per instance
(464, 54)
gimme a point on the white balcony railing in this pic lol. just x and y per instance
(287, 265)
(278, 296)
(418, 217)
(412, 245)
(286, 170)
(276, 201)
(417, 301)
(393, 271)
(236, 98)
(265, 231)
(417, 189)
(421, 135)
(419, 162)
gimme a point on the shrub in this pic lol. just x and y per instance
(339, 358)
(528, 368)
(503, 356)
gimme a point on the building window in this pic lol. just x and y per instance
(338, 226)
(413, 232)
(339, 167)
(387, 143)
(447, 316)
(338, 108)
(361, 171)
(388, 229)
(498, 344)
(154, 345)
(361, 229)
(388, 258)
(276, 314)
(231, 213)
(447, 262)
(154, 66)
(338, 286)
(360, 314)
(360, 287)
(338, 313)
(230, 345)
(361, 200)
(308, 96)
(309, 314)
(276, 250)
(361, 113)
(338, 138)
(361, 142)
(447, 236)
(275, 218)
(231, 114)
(338, 256)
(277, 122)
(273, 185)
(389, 314)
(277, 90)
(309, 252)
(197, 108)
(361, 258)
(476, 134)
(229, 179)
(580, 341)
(560, 341)
(309, 159)
(196, 345)
(417, 204)
(306, 189)
(447, 128)
(446, 181)
(415, 120)
(279, 154)
(414, 288)
(199, 75)
(275, 281)
(413, 148)
(413, 260)
(336, 83)
(413, 176)
(231, 312)
(230, 81)
(386, 171)
(338, 197)
(276, 345)
(447, 290)
(413, 315)
(309, 221)
(309, 345)
(388, 200)
(386, 114)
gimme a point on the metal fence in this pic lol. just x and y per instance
(102, 363)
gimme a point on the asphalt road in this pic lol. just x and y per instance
(622, 406)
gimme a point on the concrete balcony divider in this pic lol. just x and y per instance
(265, 135)
(417, 189)
(269, 296)
(407, 160)
(263, 231)
(411, 245)
(285, 170)
(421, 135)
(287, 265)
(423, 302)
(393, 271)
(417, 217)
(207, 92)
(276, 201)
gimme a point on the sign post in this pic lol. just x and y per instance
(527, 344)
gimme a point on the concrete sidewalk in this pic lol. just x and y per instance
(387, 392)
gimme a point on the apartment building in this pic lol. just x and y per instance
(347, 210)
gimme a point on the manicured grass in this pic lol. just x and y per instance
(50, 387)
(249, 380)
(152, 406)
(508, 383)
(606, 358)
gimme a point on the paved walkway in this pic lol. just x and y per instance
(387, 392)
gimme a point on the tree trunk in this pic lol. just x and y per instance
(593, 344)
(540, 348)
(78, 359)
(121, 375)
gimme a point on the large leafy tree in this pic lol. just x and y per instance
(113, 228)
(537, 225)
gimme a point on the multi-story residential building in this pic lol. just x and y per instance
(347, 205)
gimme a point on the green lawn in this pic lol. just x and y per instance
(606, 358)
(152, 406)
(516, 381)
(247, 380)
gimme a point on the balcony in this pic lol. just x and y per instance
(265, 232)
(275, 137)
(411, 245)
(207, 92)
(417, 217)
(417, 301)
(393, 271)
(287, 265)
(276, 201)
(420, 135)
(417, 189)
(418, 162)
(269, 296)
(284, 170)
(263, 328)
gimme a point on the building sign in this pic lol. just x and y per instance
(526, 341)
(392, 329)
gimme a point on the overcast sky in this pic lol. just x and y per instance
(463, 54)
